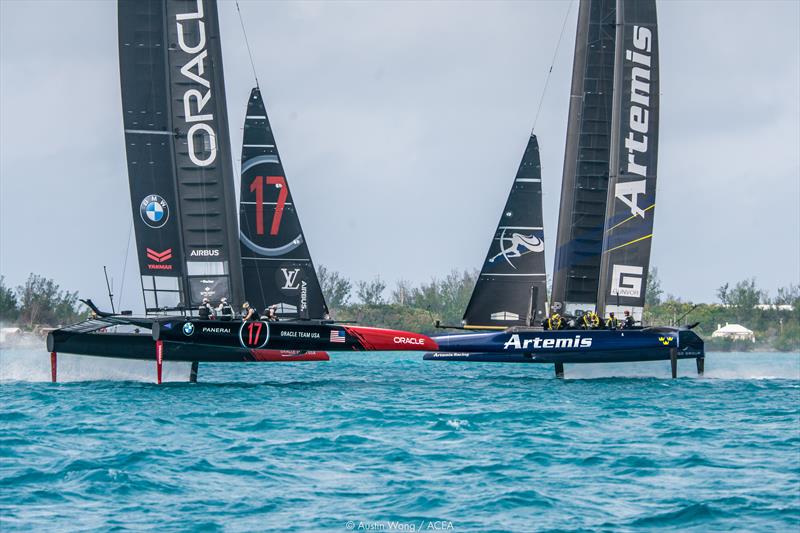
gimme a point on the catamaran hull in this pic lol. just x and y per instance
(570, 346)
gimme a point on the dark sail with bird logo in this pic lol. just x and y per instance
(579, 241)
(275, 258)
(178, 150)
(511, 288)
(634, 155)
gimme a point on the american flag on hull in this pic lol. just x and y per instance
(337, 336)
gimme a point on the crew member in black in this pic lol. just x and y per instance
(629, 321)
(205, 310)
(612, 322)
(248, 313)
(271, 313)
(225, 310)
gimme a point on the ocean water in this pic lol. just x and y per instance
(387, 442)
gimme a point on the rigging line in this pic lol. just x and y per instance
(552, 64)
(125, 266)
(247, 43)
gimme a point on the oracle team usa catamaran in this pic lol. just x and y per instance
(191, 247)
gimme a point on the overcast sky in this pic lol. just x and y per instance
(401, 125)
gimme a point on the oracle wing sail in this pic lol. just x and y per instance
(579, 240)
(277, 265)
(634, 156)
(511, 288)
(178, 151)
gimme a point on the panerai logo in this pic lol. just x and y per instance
(638, 61)
(201, 133)
(515, 343)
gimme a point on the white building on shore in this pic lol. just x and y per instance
(734, 331)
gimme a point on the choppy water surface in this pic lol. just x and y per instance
(389, 442)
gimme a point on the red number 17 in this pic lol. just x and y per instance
(257, 186)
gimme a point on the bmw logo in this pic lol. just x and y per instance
(188, 329)
(154, 211)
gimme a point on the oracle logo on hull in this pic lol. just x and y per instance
(408, 340)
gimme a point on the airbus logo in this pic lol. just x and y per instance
(204, 253)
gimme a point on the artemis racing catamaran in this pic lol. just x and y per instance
(605, 222)
(190, 247)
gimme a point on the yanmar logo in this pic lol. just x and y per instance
(515, 343)
(408, 340)
(204, 253)
(160, 258)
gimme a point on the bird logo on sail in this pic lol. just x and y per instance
(154, 211)
(518, 245)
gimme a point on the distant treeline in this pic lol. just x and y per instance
(417, 307)
(41, 302)
(38, 302)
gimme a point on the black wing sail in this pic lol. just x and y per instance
(277, 264)
(178, 148)
(586, 160)
(511, 288)
(149, 145)
(632, 188)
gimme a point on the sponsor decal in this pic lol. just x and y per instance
(303, 296)
(154, 211)
(215, 330)
(337, 336)
(188, 329)
(160, 258)
(201, 132)
(626, 281)
(254, 335)
(536, 343)
(517, 245)
(301, 334)
(290, 279)
(504, 315)
(665, 340)
(408, 340)
(204, 253)
(627, 190)
(207, 292)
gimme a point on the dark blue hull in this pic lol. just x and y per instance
(570, 346)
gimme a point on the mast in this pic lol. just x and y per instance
(277, 264)
(511, 289)
(634, 156)
(178, 147)
(585, 177)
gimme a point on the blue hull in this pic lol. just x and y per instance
(570, 346)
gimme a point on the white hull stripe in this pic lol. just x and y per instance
(258, 146)
(529, 180)
(263, 117)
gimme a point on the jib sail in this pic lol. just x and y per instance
(275, 258)
(586, 160)
(511, 288)
(634, 155)
(178, 149)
